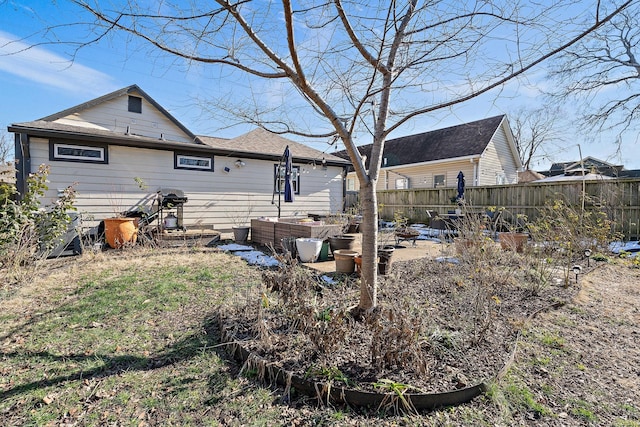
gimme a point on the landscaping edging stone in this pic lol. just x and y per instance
(268, 371)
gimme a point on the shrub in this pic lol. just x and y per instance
(566, 231)
(28, 230)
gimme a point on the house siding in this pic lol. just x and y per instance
(113, 115)
(214, 198)
(498, 159)
(422, 176)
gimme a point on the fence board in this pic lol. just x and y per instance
(619, 198)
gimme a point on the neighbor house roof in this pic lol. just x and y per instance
(586, 177)
(465, 140)
(590, 163)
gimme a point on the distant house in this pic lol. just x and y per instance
(7, 173)
(483, 150)
(529, 176)
(587, 176)
(589, 164)
(122, 148)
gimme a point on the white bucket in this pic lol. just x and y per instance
(308, 248)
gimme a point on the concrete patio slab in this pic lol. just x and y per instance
(405, 251)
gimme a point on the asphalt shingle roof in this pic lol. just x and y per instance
(468, 139)
(264, 142)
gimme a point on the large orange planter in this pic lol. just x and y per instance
(119, 231)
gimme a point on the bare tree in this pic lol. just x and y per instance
(339, 68)
(535, 131)
(6, 149)
(602, 73)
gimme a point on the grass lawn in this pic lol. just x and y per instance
(126, 338)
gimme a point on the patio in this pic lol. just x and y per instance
(405, 251)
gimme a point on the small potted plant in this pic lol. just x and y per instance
(342, 240)
(240, 218)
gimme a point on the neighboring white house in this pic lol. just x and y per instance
(483, 150)
(111, 146)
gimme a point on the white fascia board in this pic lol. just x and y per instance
(433, 162)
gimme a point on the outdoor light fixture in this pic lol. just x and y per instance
(577, 270)
(239, 163)
(587, 253)
(324, 164)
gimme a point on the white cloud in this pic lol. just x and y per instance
(41, 66)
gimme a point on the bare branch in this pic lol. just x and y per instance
(604, 64)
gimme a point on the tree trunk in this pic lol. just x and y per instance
(369, 230)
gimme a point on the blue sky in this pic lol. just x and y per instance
(42, 80)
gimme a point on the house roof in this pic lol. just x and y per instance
(115, 94)
(46, 129)
(586, 177)
(589, 164)
(269, 144)
(258, 144)
(465, 140)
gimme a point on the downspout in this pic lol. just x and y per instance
(344, 189)
(476, 171)
(23, 162)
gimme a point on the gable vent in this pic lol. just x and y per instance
(135, 104)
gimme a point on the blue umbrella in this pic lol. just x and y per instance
(288, 187)
(460, 186)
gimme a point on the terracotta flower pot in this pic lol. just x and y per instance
(358, 263)
(513, 241)
(120, 231)
(345, 260)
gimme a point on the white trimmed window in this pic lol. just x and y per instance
(279, 179)
(439, 181)
(351, 184)
(193, 162)
(401, 184)
(78, 153)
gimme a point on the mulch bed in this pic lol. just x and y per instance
(439, 326)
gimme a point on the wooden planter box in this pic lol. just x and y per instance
(269, 232)
(262, 232)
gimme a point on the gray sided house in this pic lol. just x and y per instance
(483, 150)
(122, 148)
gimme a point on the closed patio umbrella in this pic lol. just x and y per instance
(460, 186)
(288, 187)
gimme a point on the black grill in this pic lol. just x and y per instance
(171, 199)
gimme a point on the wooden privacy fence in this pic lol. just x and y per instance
(619, 198)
